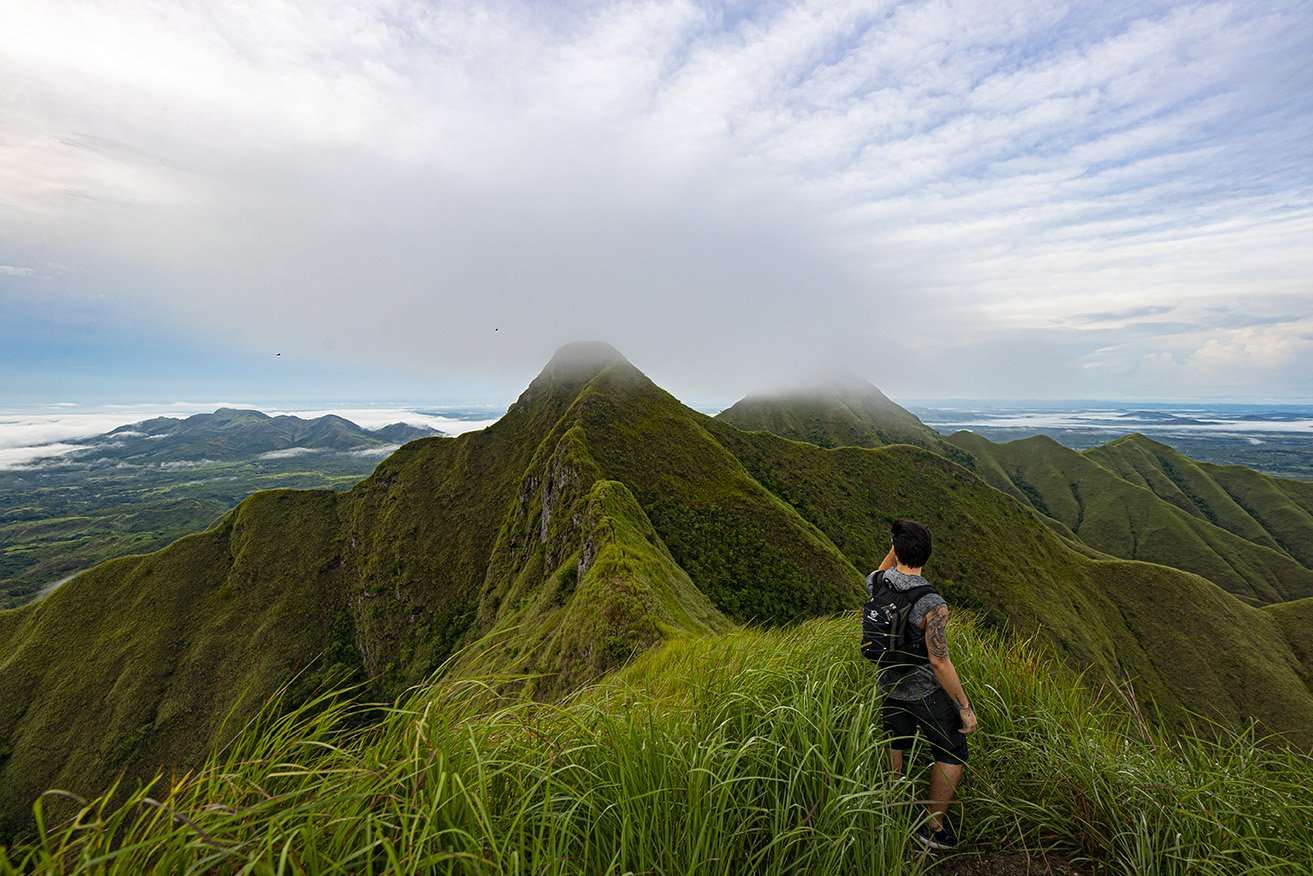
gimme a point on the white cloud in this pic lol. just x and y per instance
(290, 452)
(726, 194)
(381, 451)
(19, 429)
(23, 457)
(1263, 349)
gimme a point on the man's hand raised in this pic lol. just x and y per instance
(890, 560)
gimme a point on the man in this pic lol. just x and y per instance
(922, 693)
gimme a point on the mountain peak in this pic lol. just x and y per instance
(836, 412)
(576, 364)
(583, 359)
(1139, 439)
(846, 389)
(231, 413)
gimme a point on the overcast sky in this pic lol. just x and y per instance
(422, 200)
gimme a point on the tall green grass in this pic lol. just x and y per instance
(746, 752)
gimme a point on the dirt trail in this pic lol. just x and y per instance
(1011, 864)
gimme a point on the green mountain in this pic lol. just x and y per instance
(235, 434)
(1131, 521)
(850, 413)
(144, 485)
(1274, 512)
(598, 518)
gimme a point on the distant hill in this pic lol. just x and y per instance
(1131, 521)
(1275, 512)
(851, 413)
(142, 486)
(597, 518)
(232, 434)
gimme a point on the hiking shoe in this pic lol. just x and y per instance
(940, 840)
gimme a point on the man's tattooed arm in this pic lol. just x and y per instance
(936, 641)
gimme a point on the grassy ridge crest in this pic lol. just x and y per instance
(743, 751)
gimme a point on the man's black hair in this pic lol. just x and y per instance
(911, 543)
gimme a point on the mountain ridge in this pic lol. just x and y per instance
(598, 517)
(1275, 512)
(1131, 521)
(229, 434)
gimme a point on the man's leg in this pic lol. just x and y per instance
(943, 785)
(941, 723)
(899, 727)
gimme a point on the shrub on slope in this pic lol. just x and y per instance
(1295, 621)
(744, 752)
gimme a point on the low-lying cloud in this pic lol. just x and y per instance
(27, 456)
(290, 452)
(382, 450)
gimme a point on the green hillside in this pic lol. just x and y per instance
(136, 663)
(1130, 521)
(857, 414)
(850, 413)
(1159, 628)
(1295, 621)
(598, 518)
(1275, 512)
(753, 751)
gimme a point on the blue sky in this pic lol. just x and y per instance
(411, 200)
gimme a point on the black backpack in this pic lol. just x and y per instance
(886, 639)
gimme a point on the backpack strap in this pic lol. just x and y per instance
(918, 591)
(874, 582)
(914, 594)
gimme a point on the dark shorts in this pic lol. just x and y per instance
(935, 717)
